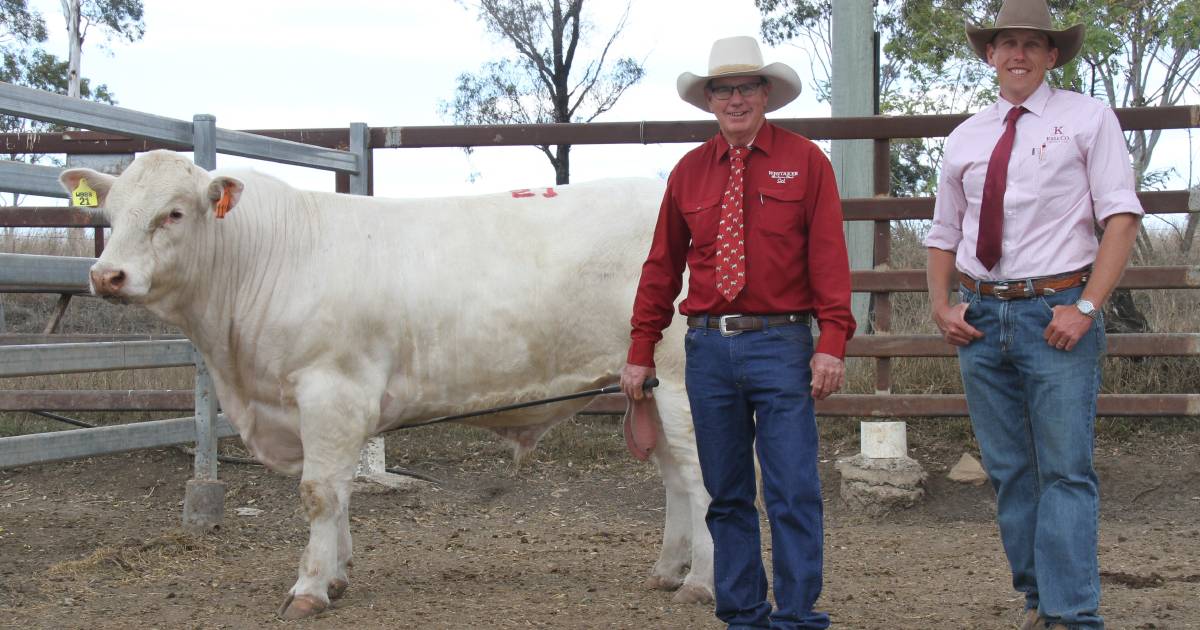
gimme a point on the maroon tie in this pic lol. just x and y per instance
(991, 209)
(731, 249)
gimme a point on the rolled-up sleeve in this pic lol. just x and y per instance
(949, 207)
(1110, 173)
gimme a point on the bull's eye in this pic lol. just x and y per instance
(175, 215)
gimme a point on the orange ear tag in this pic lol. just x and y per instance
(224, 202)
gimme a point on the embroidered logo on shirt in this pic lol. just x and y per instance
(1057, 136)
(781, 177)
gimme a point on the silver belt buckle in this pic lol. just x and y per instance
(721, 325)
(997, 289)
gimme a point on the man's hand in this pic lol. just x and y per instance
(632, 377)
(951, 320)
(1067, 327)
(828, 374)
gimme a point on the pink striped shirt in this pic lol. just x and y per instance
(1069, 169)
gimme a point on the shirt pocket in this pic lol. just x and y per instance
(1059, 169)
(781, 211)
(701, 217)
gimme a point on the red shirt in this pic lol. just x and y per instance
(795, 250)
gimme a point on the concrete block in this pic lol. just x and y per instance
(880, 485)
(203, 505)
(883, 440)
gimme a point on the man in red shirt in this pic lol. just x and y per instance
(755, 216)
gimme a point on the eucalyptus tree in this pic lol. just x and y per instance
(546, 79)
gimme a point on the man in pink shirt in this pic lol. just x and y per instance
(1023, 184)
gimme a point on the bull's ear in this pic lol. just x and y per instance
(223, 193)
(87, 188)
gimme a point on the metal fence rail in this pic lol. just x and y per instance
(41, 448)
(74, 112)
(36, 360)
(34, 273)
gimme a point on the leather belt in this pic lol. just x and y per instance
(730, 325)
(1019, 289)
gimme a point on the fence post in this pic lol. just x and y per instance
(204, 499)
(360, 145)
(371, 459)
(853, 93)
(882, 307)
(204, 142)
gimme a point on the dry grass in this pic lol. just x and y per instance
(166, 554)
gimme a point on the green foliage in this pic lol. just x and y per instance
(26, 62)
(537, 85)
(121, 18)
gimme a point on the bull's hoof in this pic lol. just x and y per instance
(300, 606)
(337, 588)
(693, 594)
(662, 583)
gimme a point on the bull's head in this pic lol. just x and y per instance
(156, 208)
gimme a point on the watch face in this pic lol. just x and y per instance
(1085, 307)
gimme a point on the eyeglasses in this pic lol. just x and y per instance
(725, 92)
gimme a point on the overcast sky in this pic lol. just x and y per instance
(258, 64)
(308, 63)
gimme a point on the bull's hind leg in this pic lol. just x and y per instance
(686, 541)
(334, 414)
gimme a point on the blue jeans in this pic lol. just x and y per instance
(1033, 408)
(753, 391)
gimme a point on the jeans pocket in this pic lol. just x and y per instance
(970, 298)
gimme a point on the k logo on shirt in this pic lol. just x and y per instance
(1057, 135)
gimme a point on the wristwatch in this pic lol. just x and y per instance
(1087, 308)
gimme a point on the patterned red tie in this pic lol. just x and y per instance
(731, 249)
(991, 209)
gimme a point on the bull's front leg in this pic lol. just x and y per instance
(687, 543)
(334, 414)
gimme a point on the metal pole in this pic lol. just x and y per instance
(204, 141)
(206, 420)
(204, 498)
(360, 146)
(852, 24)
(372, 459)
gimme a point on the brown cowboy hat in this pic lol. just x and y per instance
(1035, 16)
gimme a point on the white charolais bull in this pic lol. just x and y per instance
(326, 319)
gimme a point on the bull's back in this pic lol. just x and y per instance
(483, 301)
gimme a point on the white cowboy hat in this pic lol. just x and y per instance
(1035, 16)
(740, 57)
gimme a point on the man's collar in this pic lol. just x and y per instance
(1035, 104)
(763, 141)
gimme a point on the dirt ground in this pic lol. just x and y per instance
(562, 542)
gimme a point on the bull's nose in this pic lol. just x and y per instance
(107, 281)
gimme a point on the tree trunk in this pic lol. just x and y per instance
(562, 165)
(71, 13)
(1189, 234)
